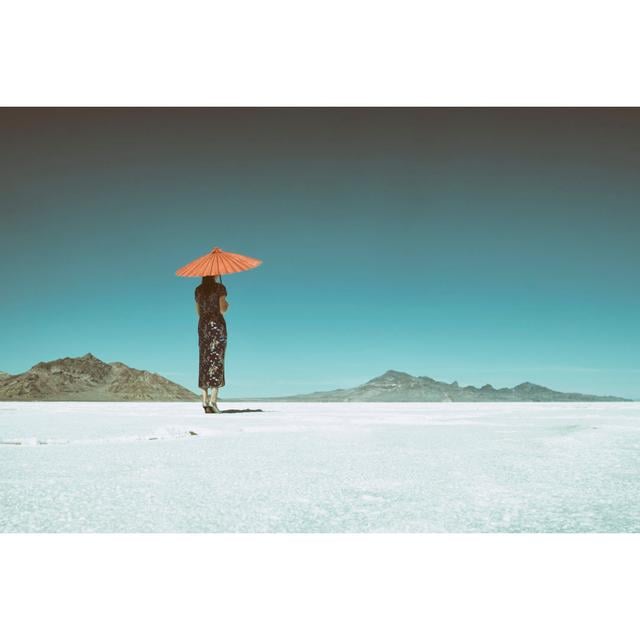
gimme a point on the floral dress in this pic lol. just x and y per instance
(212, 336)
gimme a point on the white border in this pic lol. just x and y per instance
(319, 586)
(329, 53)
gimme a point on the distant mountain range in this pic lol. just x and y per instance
(397, 386)
(89, 379)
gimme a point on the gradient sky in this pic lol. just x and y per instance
(477, 245)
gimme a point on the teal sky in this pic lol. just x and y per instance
(477, 245)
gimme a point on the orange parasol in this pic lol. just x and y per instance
(218, 262)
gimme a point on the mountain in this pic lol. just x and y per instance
(89, 378)
(396, 386)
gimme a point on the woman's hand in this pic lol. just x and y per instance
(224, 305)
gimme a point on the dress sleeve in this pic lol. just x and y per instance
(223, 290)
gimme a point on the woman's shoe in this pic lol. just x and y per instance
(207, 408)
(214, 408)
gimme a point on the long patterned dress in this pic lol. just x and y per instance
(212, 336)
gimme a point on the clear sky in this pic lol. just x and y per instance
(477, 245)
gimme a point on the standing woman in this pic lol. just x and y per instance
(211, 304)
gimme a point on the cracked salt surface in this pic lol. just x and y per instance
(321, 467)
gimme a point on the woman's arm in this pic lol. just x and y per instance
(197, 308)
(224, 305)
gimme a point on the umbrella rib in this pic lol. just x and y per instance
(213, 264)
(238, 263)
(196, 265)
(231, 262)
(224, 264)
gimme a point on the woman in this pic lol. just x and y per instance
(211, 303)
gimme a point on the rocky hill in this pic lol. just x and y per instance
(89, 379)
(396, 386)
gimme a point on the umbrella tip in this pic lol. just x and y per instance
(216, 250)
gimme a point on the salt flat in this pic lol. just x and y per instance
(322, 467)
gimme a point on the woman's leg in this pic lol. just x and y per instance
(214, 399)
(204, 396)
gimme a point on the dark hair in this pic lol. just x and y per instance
(209, 282)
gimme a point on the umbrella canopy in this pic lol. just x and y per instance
(218, 262)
